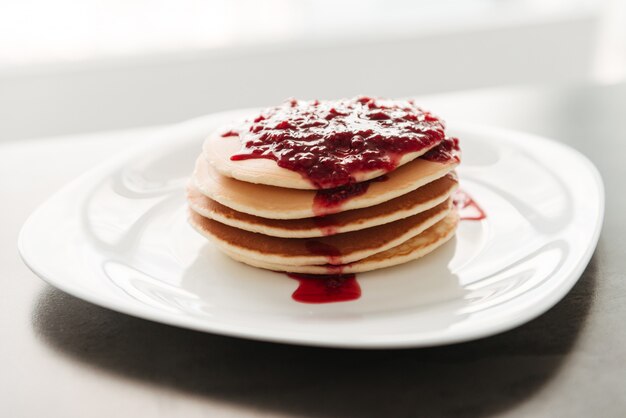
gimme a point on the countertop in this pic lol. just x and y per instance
(63, 357)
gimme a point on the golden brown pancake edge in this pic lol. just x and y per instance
(278, 203)
(335, 249)
(409, 204)
(412, 249)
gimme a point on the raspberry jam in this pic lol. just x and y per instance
(447, 151)
(329, 201)
(325, 288)
(328, 142)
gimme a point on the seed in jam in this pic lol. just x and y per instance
(329, 142)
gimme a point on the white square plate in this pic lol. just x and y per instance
(118, 237)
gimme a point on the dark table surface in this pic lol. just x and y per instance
(61, 356)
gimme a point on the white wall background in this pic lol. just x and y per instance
(75, 66)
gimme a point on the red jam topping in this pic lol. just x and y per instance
(325, 288)
(328, 142)
(328, 201)
(467, 207)
(447, 151)
(230, 133)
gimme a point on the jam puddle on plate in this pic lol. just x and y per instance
(318, 288)
(467, 207)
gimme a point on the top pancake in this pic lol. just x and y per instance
(217, 150)
(324, 144)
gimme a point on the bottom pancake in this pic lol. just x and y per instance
(414, 248)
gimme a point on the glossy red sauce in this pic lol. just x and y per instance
(325, 288)
(467, 207)
(447, 151)
(328, 201)
(230, 133)
(328, 142)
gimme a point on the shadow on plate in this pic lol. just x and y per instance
(477, 378)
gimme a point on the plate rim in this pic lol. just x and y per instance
(393, 341)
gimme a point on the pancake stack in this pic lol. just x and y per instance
(327, 187)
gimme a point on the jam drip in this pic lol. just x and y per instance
(467, 208)
(447, 151)
(328, 142)
(328, 201)
(230, 133)
(315, 288)
(328, 224)
(332, 253)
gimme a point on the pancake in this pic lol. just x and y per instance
(412, 203)
(218, 149)
(281, 203)
(412, 249)
(335, 249)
